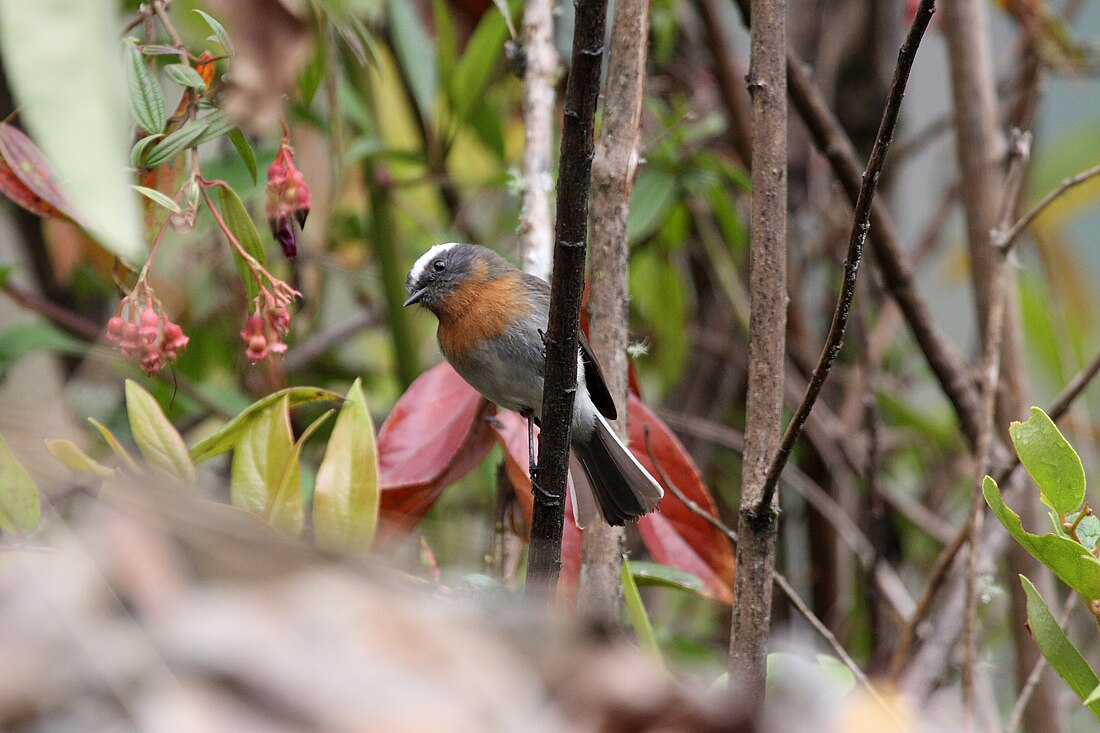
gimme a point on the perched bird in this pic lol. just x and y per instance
(492, 318)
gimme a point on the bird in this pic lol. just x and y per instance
(492, 319)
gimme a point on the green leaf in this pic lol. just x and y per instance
(261, 461)
(73, 458)
(1071, 562)
(137, 153)
(116, 446)
(345, 498)
(178, 141)
(244, 149)
(1057, 648)
(244, 231)
(1051, 461)
(288, 490)
(20, 507)
(415, 53)
(219, 31)
(446, 40)
(217, 124)
(228, 436)
(1093, 697)
(158, 198)
(654, 573)
(22, 339)
(71, 95)
(639, 619)
(484, 48)
(653, 194)
(185, 76)
(159, 442)
(1088, 531)
(146, 96)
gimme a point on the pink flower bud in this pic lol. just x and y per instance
(114, 329)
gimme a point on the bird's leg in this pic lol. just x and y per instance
(531, 465)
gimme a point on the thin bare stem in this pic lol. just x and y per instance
(1006, 238)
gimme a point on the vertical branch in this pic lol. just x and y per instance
(566, 289)
(767, 330)
(613, 170)
(536, 234)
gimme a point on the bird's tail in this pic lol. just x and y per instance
(623, 489)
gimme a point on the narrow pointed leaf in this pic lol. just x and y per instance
(244, 149)
(244, 231)
(29, 166)
(639, 618)
(20, 505)
(415, 53)
(1051, 461)
(160, 443)
(178, 141)
(141, 147)
(1058, 649)
(654, 573)
(73, 458)
(473, 70)
(228, 435)
(219, 31)
(116, 446)
(261, 458)
(146, 96)
(185, 76)
(1070, 561)
(345, 499)
(158, 198)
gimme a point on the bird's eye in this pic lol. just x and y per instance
(439, 265)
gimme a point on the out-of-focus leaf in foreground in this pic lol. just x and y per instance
(20, 506)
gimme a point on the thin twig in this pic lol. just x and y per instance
(1005, 238)
(861, 223)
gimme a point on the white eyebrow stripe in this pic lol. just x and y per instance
(418, 266)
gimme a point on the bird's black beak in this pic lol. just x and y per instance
(415, 297)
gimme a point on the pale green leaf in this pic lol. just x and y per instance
(1070, 561)
(244, 149)
(415, 53)
(76, 460)
(1058, 649)
(226, 437)
(158, 198)
(639, 618)
(20, 506)
(61, 59)
(261, 458)
(219, 31)
(345, 498)
(146, 96)
(653, 573)
(159, 442)
(185, 76)
(116, 446)
(1051, 461)
(287, 496)
(244, 231)
(169, 147)
(137, 153)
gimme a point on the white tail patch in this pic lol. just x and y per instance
(658, 491)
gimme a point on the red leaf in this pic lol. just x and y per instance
(511, 432)
(676, 536)
(26, 164)
(435, 434)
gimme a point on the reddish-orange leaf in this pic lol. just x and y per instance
(676, 536)
(206, 66)
(435, 434)
(26, 164)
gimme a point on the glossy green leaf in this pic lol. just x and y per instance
(141, 147)
(244, 231)
(76, 460)
(654, 573)
(146, 96)
(415, 53)
(226, 438)
(116, 446)
(1071, 562)
(345, 497)
(1056, 647)
(483, 51)
(62, 60)
(158, 440)
(219, 31)
(158, 198)
(244, 149)
(1051, 461)
(20, 506)
(175, 143)
(262, 463)
(185, 76)
(639, 618)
